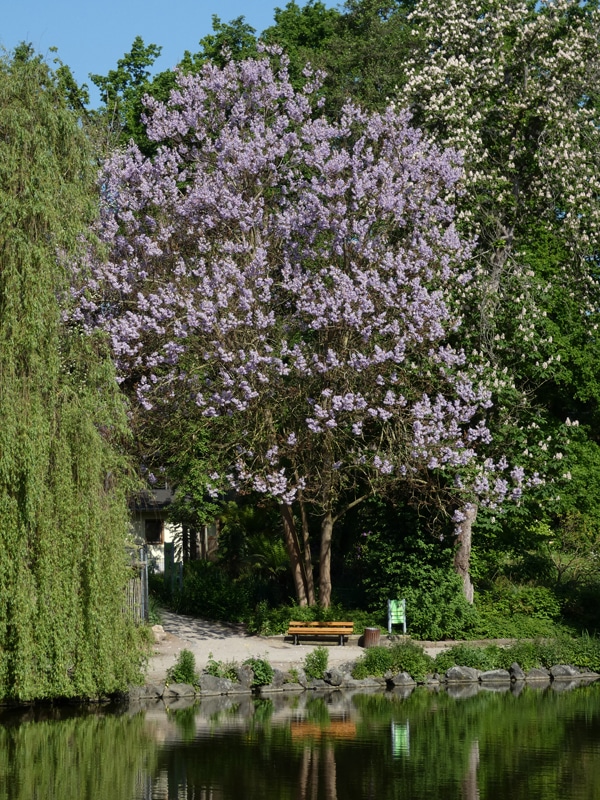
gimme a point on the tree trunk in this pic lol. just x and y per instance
(292, 546)
(308, 568)
(325, 562)
(462, 554)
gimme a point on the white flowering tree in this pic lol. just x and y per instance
(514, 86)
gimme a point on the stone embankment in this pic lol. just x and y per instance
(231, 645)
(458, 681)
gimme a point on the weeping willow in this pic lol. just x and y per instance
(63, 513)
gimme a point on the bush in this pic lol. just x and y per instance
(465, 655)
(525, 654)
(315, 663)
(437, 609)
(267, 621)
(375, 662)
(210, 593)
(582, 652)
(492, 625)
(222, 669)
(403, 657)
(509, 598)
(184, 669)
(263, 671)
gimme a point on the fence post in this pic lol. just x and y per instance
(144, 580)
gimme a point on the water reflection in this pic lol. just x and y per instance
(541, 744)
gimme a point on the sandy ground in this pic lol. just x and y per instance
(222, 642)
(228, 643)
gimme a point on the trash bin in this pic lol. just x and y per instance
(371, 637)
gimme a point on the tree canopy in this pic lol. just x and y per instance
(289, 278)
(63, 564)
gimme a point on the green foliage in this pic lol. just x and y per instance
(263, 671)
(63, 478)
(315, 662)
(375, 662)
(268, 621)
(496, 626)
(210, 593)
(221, 669)
(304, 33)
(509, 599)
(294, 675)
(414, 567)
(154, 611)
(582, 652)
(122, 90)
(184, 669)
(436, 608)
(402, 657)
(524, 653)
(464, 655)
(234, 39)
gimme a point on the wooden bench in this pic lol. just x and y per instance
(314, 629)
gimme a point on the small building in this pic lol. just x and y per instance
(150, 523)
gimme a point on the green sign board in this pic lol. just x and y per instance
(396, 614)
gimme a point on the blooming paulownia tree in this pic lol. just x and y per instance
(286, 279)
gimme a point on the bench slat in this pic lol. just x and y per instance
(319, 624)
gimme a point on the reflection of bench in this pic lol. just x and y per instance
(314, 629)
(336, 729)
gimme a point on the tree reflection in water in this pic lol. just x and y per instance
(542, 745)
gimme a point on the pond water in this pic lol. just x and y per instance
(541, 743)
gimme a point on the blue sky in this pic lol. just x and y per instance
(92, 36)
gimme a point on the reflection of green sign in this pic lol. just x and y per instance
(400, 739)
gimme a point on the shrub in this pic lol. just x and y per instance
(209, 592)
(494, 625)
(465, 655)
(525, 654)
(184, 669)
(267, 621)
(294, 676)
(402, 657)
(513, 610)
(437, 609)
(263, 671)
(315, 663)
(586, 652)
(375, 662)
(221, 669)
(409, 657)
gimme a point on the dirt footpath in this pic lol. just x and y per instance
(223, 642)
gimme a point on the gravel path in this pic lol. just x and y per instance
(231, 643)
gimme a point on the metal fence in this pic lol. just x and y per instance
(136, 591)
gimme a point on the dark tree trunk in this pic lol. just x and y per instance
(325, 561)
(292, 547)
(308, 568)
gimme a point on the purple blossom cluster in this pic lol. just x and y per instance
(291, 275)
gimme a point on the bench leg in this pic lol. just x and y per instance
(296, 639)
